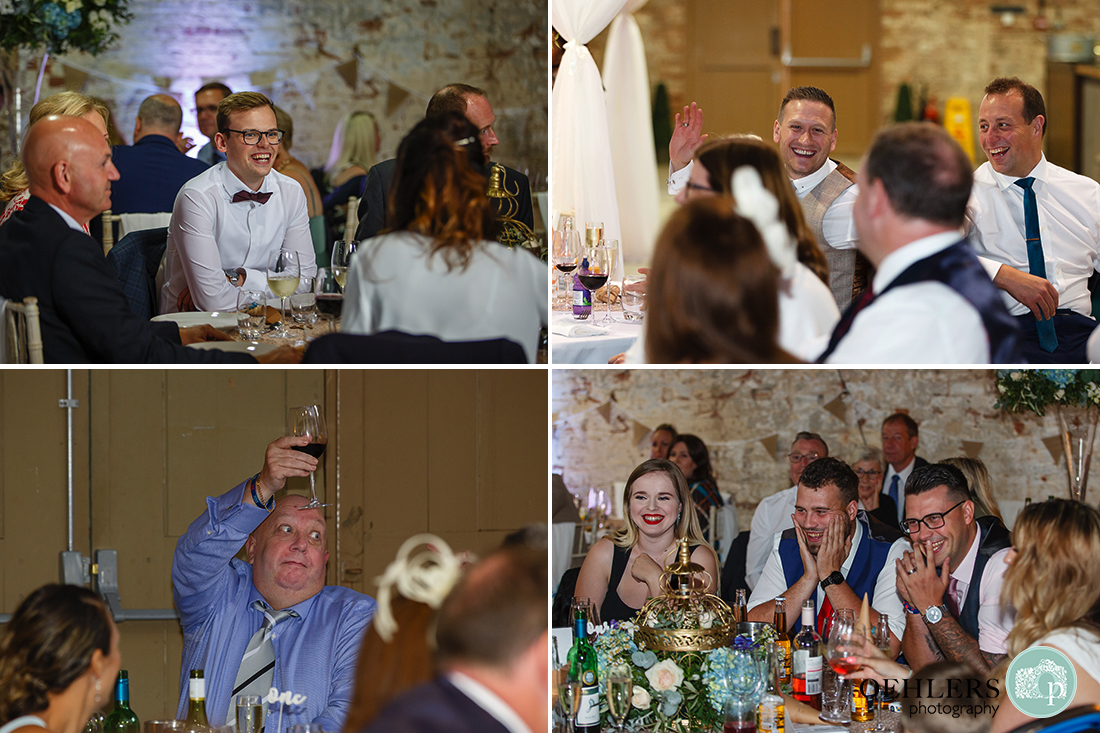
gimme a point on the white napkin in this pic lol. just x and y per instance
(582, 330)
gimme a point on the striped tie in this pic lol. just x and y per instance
(258, 663)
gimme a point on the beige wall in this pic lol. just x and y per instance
(460, 453)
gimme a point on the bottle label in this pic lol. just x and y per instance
(198, 688)
(813, 674)
(799, 658)
(582, 297)
(771, 718)
(588, 712)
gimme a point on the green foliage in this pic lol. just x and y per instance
(1034, 390)
(63, 25)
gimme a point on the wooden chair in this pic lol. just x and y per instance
(109, 220)
(24, 335)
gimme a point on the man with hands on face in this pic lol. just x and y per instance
(310, 631)
(951, 580)
(832, 555)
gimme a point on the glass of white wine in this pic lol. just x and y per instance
(620, 689)
(250, 714)
(569, 694)
(283, 275)
(342, 252)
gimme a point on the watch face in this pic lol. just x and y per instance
(933, 614)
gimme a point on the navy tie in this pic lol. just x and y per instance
(894, 490)
(1036, 265)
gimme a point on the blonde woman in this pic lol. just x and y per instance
(1052, 583)
(623, 571)
(14, 183)
(981, 486)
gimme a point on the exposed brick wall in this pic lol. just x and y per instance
(731, 410)
(499, 45)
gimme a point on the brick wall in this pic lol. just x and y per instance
(734, 410)
(420, 45)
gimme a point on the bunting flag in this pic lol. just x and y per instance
(837, 408)
(641, 432)
(74, 78)
(164, 82)
(972, 449)
(1054, 446)
(395, 97)
(771, 445)
(262, 78)
(604, 411)
(349, 72)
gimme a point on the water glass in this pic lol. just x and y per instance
(251, 313)
(633, 298)
(303, 306)
(250, 714)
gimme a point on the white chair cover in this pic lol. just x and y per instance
(630, 115)
(561, 544)
(136, 222)
(727, 526)
(582, 178)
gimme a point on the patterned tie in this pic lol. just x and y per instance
(953, 596)
(260, 198)
(1048, 340)
(258, 663)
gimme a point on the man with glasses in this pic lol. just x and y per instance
(900, 437)
(207, 99)
(832, 555)
(951, 580)
(773, 513)
(229, 221)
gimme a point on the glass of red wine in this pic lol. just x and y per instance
(840, 653)
(596, 276)
(308, 422)
(330, 296)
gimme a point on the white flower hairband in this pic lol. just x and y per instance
(760, 206)
(426, 577)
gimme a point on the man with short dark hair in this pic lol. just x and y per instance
(152, 170)
(900, 438)
(805, 131)
(930, 301)
(1035, 226)
(207, 99)
(951, 580)
(493, 641)
(773, 513)
(832, 555)
(474, 104)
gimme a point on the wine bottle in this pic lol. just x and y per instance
(770, 712)
(122, 719)
(806, 660)
(582, 668)
(196, 707)
(783, 639)
(582, 296)
(740, 614)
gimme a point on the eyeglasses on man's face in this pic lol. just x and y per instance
(932, 521)
(868, 474)
(800, 457)
(252, 137)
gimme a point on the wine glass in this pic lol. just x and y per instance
(569, 693)
(611, 247)
(308, 422)
(620, 688)
(881, 636)
(596, 277)
(839, 654)
(567, 251)
(342, 252)
(283, 275)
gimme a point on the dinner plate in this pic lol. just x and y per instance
(255, 348)
(223, 320)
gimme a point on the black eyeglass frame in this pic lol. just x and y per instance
(258, 133)
(925, 519)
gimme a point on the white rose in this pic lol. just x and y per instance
(641, 698)
(706, 619)
(71, 5)
(665, 676)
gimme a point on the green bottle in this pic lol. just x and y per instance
(582, 668)
(122, 718)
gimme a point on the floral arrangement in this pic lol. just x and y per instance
(61, 25)
(669, 687)
(1034, 390)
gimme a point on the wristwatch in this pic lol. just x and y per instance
(834, 578)
(234, 277)
(934, 614)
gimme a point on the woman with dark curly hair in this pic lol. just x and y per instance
(691, 455)
(58, 661)
(436, 270)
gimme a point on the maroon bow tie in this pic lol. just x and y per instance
(251, 196)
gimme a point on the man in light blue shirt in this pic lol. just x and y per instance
(315, 650)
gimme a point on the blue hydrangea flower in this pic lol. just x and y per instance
(1061, 377)
(58, 21)
(645, 660)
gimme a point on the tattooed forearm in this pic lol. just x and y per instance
(957, 645)
(993, 659)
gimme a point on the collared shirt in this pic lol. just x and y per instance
(315, 654)
(772, 516)
(924, 322)
(994, 620)
(210, 234)
(210, 154)
(838, 225)
(903, 476)
(1069, 225)
(773, 583)
(488, 701)
(73, 223)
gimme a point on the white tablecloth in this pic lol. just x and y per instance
(590, 349)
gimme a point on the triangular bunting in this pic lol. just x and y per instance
(1054, 446)
(641, 432)
(605, 411)
(972, 449)
(771, 444)
(74, 78)
(837, 408)
(163, 82)
(261, 78)
(395, 97)
(349, 72)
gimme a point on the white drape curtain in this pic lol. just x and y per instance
(582, 177)
(630, 118)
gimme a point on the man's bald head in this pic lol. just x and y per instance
(159, 114)
(68, 164)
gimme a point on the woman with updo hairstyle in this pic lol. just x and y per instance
(58, 661)
(436, 270)
(622, 571)
(690, 454)
(712, 296)
(1052, 583)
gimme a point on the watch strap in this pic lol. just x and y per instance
(834, 578)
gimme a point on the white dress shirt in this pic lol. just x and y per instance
(921, 323)
(994, 620)
(773, 583)
(1069, 225)
(807, 314)
(772, 515)
(488, 701)
(838, 225)
(394, 285)
(903, 476)
(209, 235)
